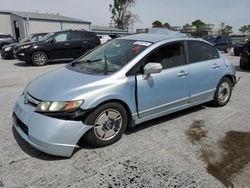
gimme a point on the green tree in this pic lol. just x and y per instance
(121, 15)
(157, 23)
(166, 25)
(243, 29)
(227, 30)
(198, 24)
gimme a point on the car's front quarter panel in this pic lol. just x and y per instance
(120, 89)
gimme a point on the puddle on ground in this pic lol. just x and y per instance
(197, 131)
(233, 154)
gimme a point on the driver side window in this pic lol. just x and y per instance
(169, 56)
(61, 37)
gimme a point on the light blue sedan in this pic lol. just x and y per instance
(122, 83)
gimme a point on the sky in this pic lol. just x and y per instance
(176, 12)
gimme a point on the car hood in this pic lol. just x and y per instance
(29, 43)
(10, 45)
(64, 85)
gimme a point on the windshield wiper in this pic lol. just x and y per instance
(85, 61)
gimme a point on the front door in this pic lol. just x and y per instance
(60, 47)
(161, 93)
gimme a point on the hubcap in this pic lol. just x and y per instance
(224, 92)
(108, 124)
(40, 59)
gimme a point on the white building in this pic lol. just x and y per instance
(21, 24)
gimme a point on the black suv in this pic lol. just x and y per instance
(245, 57)
(7, 51)
(221, 42)
(59, 45)
(6, 39)
(239, 46)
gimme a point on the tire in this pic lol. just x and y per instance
(39, 58)
(223, 92)
(243, 65)
(109, 121)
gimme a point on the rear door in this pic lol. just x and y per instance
(205, 70)
(76, 39)
(168, 90)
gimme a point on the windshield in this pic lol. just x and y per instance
(110, 57)
(26, 39)
(46, 37)
(211, 38)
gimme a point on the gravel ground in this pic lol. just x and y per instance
(199, 147)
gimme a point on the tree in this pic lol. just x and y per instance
(121, 15)
(227, 30)
(243, 29)
(157, 23)
(166, 25)
(198, 23)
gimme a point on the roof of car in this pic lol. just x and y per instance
(151, 37)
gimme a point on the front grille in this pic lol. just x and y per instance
(20, 124)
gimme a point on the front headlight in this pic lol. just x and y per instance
(58, 106)
(25, 46)
(7, 49)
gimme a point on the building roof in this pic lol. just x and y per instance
(44, 16)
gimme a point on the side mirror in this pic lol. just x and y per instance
(152, 68)
(52, 41)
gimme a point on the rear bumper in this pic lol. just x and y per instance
(50, 135)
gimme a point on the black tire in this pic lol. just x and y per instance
(236, 54)
(224, 89)
(243, 65)
(93, 136)
(39, 58)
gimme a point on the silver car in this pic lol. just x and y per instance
(122, 83)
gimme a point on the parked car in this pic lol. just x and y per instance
(245, 57)
(6, 39)
(122, 83)
(239, 46)
(59, 45)
(7, 51)
(104, 38)
(221, 42)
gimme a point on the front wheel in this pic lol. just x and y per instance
(109, 123)
(39, 58)
(223, 92)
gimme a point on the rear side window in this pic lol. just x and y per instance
(76, 36)
(201, 51)
(169, 56)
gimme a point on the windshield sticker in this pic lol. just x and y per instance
(141, 43)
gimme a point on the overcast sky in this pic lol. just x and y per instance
(175, 12)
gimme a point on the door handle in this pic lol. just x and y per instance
(67, 44)
(183, 73)
(84, 42)
(215, 66)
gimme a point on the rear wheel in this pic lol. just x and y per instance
(223, 92)
(109, 121)
(39, 58)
